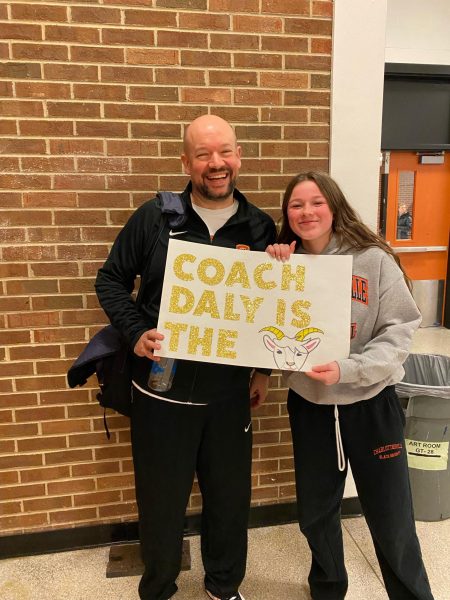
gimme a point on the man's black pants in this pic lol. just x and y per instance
(373, 440)
(171, 442)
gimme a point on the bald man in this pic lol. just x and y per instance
(202, 425)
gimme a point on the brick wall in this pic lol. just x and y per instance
(94, 97)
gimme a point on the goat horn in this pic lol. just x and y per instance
(277, 332)
(300, 335)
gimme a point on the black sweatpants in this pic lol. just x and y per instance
(373, 441)
(171, 442)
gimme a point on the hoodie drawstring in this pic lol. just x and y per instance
(339, 445)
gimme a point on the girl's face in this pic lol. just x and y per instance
(310, 216)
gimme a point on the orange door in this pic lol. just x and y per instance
(418, 214)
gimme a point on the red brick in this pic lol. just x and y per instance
(308, 98)
(131, 148)
(233, 78)
(129, 37)
(68, 456)
(103, 129)
(46, 129)
(76, 146)
(44, 474)
(33, 352)
(10, 369)
(31, 319)
(257, 96)
(77, 182)
(72, 33)
(132, 182)
(306, 132)
(88, 54)
(284, 80)
(155, 94)
(99, 92)
(205, 59)
(132, 112)
(71, 72)
(284, 115)
(251, 6)
(74, 109)
(20, 70)
(97, 498)
(150, 56)
(22, 31)
(288, 7)
(41, 443)
(44, 51)
(38, 12)
(284, 44)
(322, 9)
(308, 26)
(52, 234)
(32, 287)
(47, 199)
(21, 108)
(47, 504)
(206, 21)
(82, 14)
(48, 165)
(23, 182)
(70, 516)
(10, 508)
(35, 89)
(321, 46)
(308, 62)
(117, 481)
(184, 4)
(150, 18)
(258, 61)
(257, 24)
(115, 510)
(39, 383)
(23, 522)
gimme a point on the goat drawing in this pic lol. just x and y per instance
(290, 354)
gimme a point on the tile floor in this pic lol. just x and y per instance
(278, 560)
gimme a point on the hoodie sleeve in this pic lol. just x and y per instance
(387, 347)
(115, 280)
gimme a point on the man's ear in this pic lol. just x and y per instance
(185, 161)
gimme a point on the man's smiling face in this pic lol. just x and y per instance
(212, 159)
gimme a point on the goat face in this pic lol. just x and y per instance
(289, 354)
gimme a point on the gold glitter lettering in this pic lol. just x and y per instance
(224, 344)
(176, 296)
(229, 306)
(207, 304)
(288, 276)
(303, 319)
(175, 330)
(195, 340)
(251, 306)
(238, 274)
(257, 276)
(178, 266)
(281, 312)
(216, 277)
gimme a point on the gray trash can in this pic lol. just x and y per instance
(426, 384)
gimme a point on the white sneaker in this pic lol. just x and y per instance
(237, 596)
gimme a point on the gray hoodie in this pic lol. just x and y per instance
(384, 317)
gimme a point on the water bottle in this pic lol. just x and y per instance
(161, 374)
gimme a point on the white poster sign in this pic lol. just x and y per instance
(230, 306)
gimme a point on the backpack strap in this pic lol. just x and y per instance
(173, 210)
(174, 207)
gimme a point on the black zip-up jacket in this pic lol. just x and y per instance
(195, 381)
